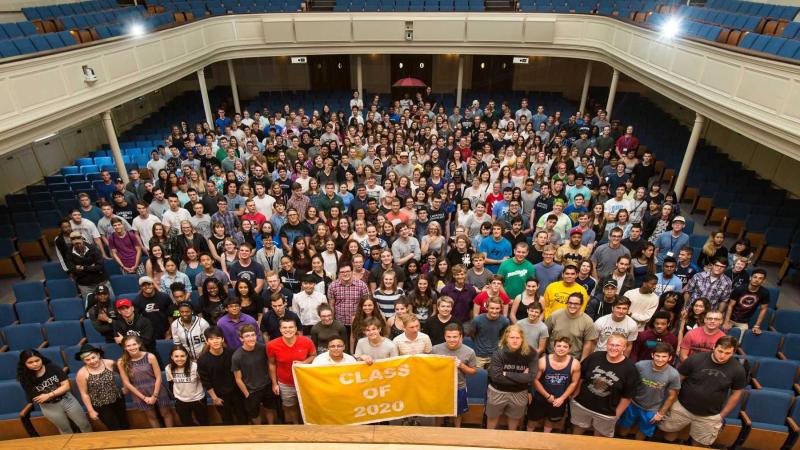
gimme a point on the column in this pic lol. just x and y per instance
(234, 88)
(585, 92)
(201, 79)
(111, 134)
(460, 85)
(699, 121)
(360, 80)
(612, 92)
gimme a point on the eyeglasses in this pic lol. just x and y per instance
(573, 304)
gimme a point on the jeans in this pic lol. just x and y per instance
(60, 413)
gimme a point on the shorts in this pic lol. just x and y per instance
(635, 416)
(254, 401)
(584, 418)
(703, 429)
(483, 361)
(512, 404)
(288, 395)
(463, 405)
(542, 409)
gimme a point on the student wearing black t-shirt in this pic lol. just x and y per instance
(245, 268)
(745, 302)
(609, 382)
(703, 401)
(214, 368)
(48, 386)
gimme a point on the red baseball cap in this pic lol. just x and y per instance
(123, 303)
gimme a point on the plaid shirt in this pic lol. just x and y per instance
(230, 221)
(702, 285)
(345, 298)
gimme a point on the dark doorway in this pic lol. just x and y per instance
(411, 66)
(492, 73)
(329, 72)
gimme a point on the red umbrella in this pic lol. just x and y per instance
(409, 82)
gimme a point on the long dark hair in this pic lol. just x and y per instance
(187, 366)
(25, 376)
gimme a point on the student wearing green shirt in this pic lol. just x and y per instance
(516, 271)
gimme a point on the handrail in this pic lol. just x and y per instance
(309, 434)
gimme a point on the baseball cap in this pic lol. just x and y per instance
(610, 282)
(119, 180)
(101, 289)
(145, 279)
(575, 230)
(679, 219)
(123, 303)
(76, 235)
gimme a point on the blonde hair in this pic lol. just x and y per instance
(709, 249)
(503, 343)
(126, 357)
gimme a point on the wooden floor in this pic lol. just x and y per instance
(309, 437)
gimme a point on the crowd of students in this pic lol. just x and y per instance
(279, 237)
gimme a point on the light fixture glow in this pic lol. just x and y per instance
(671, 28)
(136, 30)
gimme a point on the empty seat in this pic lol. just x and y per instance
(29, 291)
(65, 288)
(33, 312)
(765, 345)
(65, 332)
(67, 308)
(23, 336)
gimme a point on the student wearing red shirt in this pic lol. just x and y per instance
(252, 214)
(283, 353)
(702, 339)
(493, 289)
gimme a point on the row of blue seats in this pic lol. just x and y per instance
(755, 9)
(36, 43)
(414, 7)
(792, 31)
(727, 19)
(774, 45)
(33, 291)
(67, 9)
(99, 18)
(13, 30)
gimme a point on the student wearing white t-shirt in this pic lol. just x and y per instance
(187, 389)
(263, 201)
(143, 223)
(335, 354)
(618, 322)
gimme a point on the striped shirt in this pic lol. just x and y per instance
(420, 345)
(386, 301)
(190, 336)
(345, 298)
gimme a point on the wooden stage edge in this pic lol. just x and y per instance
(259, 434)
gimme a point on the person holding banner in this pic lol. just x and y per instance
(334, 355)
(283, 353)
(466, 363)
(249, 366)
(412, 341)
(374, 346)
(511, 371)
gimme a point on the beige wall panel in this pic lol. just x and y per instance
(760, 88)
(149, 55)
(50, 155)
(38, 87)
(321, 30)
(622, 40)
(598, 32)
(720, 76)
(390, 28)
(195, 41)
(7, 107)
(276, 30)
(687, 64)
(73, 75)
(173, 47)
(486, 29)
(249, 30)
(439, 30)
(765, 162)
(791, 107)
(539, 30)
(661, 55)
(568, 29)
(119, 64)
(640, 47)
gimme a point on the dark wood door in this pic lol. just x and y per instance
(492, 73)
(329, 72)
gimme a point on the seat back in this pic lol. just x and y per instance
(477, 385)
(22, 336)
(777, 374)
(787, 321)
(67, 308)
(33, 312)
(65, 332)
(8, 365)
(62, 288)
(13, 396)
(766, 344)
(29, 291)
(768, 407)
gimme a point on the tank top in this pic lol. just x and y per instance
(556, 381)
(522, 309)
(102, 388)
